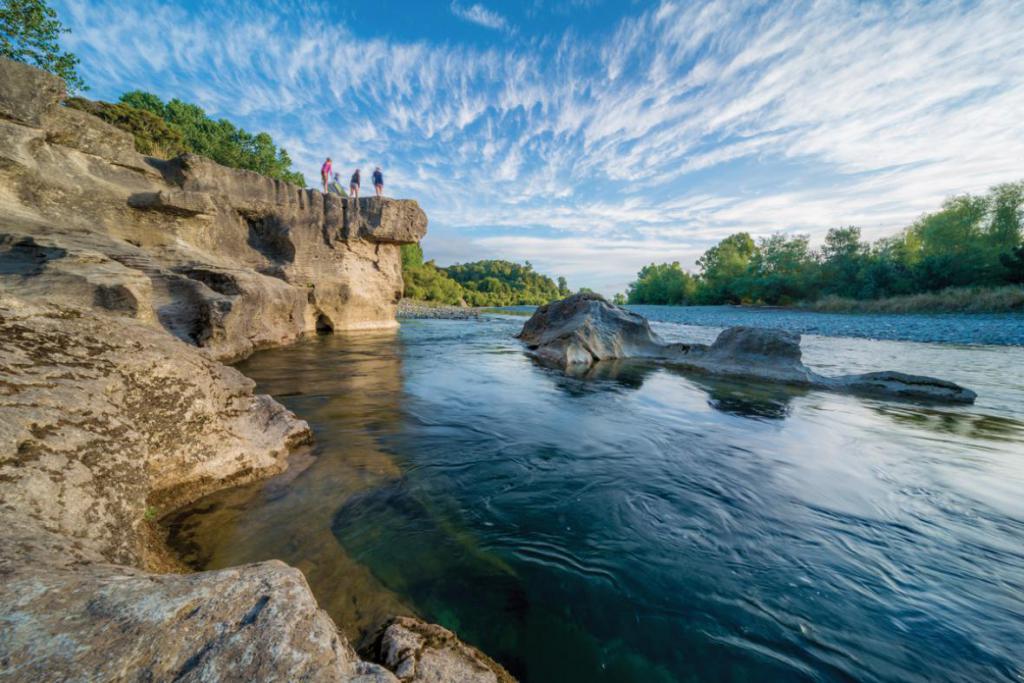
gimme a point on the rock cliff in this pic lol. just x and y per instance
(124, 280)
(222, 258)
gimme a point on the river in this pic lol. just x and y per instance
(650, 525)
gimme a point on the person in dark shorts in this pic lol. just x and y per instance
(378, 181)
(353, 185)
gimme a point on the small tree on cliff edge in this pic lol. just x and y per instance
(30, 33)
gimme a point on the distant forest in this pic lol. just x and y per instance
(483, 283)
(972, 241)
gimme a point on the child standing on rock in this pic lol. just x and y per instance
(378, 181)
(353, 185)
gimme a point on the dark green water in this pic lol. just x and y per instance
(646, 525)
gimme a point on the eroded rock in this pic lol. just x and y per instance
(418, 652)
(584, 328)
(303, 260)
(578, 332)
(28, 94)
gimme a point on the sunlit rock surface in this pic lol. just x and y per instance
(123, 281)
(584, 329)
(221, 258)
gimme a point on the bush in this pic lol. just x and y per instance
(153, 136)
(167, 130)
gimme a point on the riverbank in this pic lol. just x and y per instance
(411, 309)
(953, 300)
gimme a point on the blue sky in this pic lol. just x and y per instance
(593, 136)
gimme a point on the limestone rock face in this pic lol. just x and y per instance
(418, 652)
(584, 329)
(104, 419)
(106, 623)
(26, 93)
(222, 258)
(579, 331)
(123, 280)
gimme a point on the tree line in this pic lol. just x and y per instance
(972, 241)
(482, 283)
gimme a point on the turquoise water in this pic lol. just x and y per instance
(648, 525)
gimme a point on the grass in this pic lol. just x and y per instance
(952, 300)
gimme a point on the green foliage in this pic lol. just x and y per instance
(30, 33)
(219, 140)
(972, 241)
(619, 299)
(153, 136)
(665, 283)
(723, 268)
(483, 283)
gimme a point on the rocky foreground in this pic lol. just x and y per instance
(584, 329)
(124, 282)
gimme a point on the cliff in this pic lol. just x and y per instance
(124, 281)
(225, 259)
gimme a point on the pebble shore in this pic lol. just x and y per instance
(410, 309)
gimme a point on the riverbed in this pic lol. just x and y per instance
(648, 525)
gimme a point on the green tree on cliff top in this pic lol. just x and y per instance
(30, 33)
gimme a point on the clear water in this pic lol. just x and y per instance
(648, 525)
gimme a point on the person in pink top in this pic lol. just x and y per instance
(325, 173)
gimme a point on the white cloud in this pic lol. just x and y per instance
(681, 125)
(478, 14)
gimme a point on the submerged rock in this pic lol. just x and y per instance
(584, 329)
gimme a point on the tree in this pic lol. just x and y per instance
(665, 284)
(219, 140)
(844, 257)
(723, 267)
(563, 287)
(30, 33)
(619, 299)
(1014, 264)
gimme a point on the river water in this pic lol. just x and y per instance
(648, 525)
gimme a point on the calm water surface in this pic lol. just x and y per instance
(642, 524)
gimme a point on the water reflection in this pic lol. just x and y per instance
(643, 524)
(350, 405)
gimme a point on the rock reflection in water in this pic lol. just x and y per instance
(350, 406)
(642, 524)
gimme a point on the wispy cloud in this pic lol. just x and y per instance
(478, 14)
(658, 135)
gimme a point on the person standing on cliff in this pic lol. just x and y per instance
(353, 185)
(378, 181)
(325, 173)
(335, 186)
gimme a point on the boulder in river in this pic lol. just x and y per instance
(585, 329)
